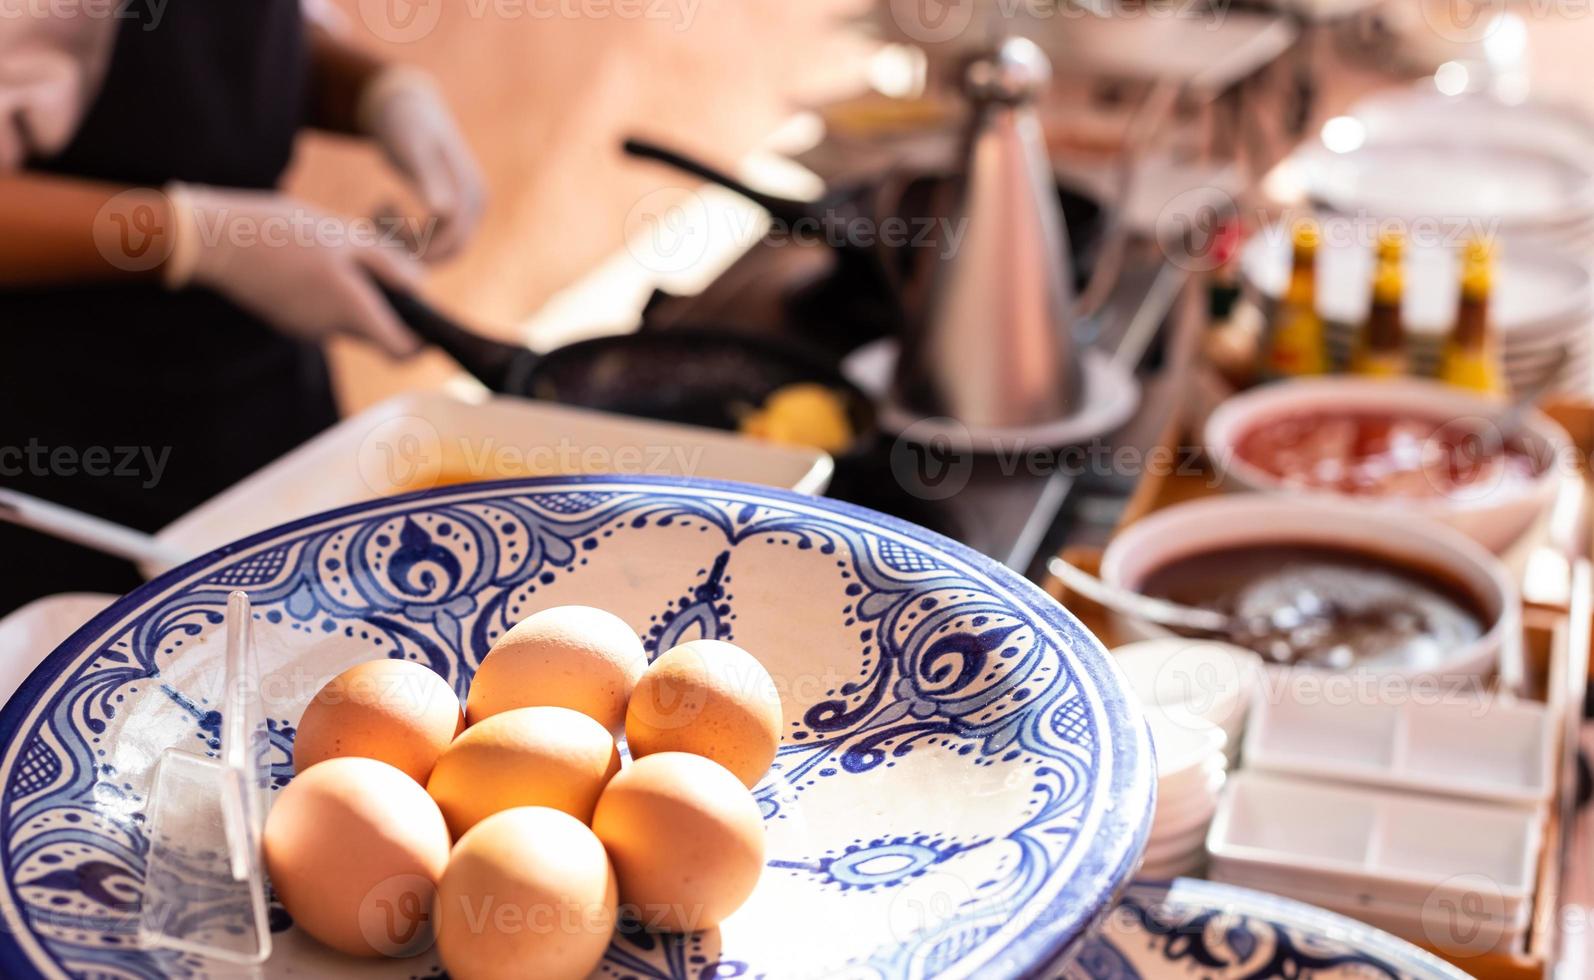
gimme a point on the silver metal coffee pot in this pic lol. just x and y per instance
(992, 344)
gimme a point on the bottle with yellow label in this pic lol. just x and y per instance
(1470, 357)
(1296, 346)
(1381, 347)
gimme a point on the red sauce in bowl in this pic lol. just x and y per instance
(1371, 454)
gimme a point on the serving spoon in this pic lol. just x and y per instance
(1142, 607)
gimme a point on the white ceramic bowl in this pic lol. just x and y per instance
(1159, 850)
(1198, 788)
(1198, 813)
(1217, 523)
(1211, 680)
(1493, 517)
(1189, 749)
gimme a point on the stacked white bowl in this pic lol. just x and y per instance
(1211, 680)
(1191, 769)
(1196, 695)
(1519, 170)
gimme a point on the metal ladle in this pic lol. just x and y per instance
(1142, 607)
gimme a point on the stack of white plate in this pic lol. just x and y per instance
(1442, 169)
(1191, 769)
(1516, 171)
(1197, 695)
(1542, 308)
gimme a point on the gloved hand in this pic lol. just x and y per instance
(304, 272)
(404, 112)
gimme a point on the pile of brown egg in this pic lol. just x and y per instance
(509, 832)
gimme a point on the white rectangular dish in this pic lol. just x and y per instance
(1495, 915)
(1400, 846)
(1481, 747)
(421, 440)
(1466, 937)
(1473, 928)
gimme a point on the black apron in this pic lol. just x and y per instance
(127, 401)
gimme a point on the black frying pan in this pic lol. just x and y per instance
(852, 218)
(840, 206)
(695, 376)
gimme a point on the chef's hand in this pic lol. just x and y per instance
(305, 273)
(403, 111)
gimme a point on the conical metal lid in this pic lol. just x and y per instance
(994, 347)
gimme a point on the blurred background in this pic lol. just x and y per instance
(545, 100)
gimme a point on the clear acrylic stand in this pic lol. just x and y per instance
(204, 881)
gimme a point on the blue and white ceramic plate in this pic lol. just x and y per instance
(963, 786)
(1202, 930)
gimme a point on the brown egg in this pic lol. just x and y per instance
(550, 757)
(528, 893)
(686, 840)
(395, 711)
(709, 698)
(354, 848)
(572, 657)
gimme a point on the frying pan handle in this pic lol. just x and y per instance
(502, 367)
(785, 210)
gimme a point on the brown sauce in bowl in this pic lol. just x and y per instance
(1323, 606)
(1384, 455)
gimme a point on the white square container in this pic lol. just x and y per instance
(1453, 928)
(1398, 846)
(1480, 747)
